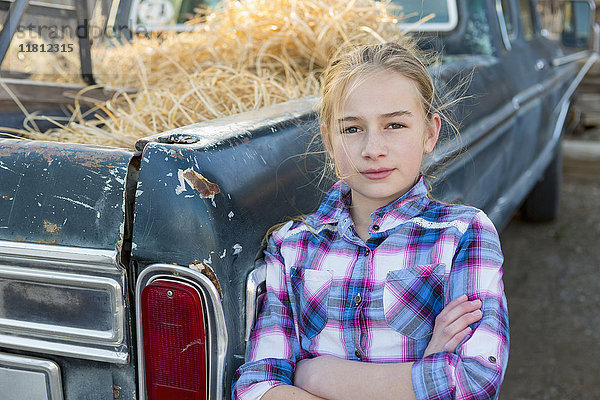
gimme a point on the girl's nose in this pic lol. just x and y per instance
(375, 145)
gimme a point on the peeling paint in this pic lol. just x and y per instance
(207, 271)
(52, 228)
(46, 156)
(176, 154)
(6, 168)
(53, 241)
(99, 207)
(116, 392)
(79, 203)
(181, 187)
(200, 183)
(88, 160)
(237, 249)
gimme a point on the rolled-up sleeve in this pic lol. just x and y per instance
(477, 369)
(273, 345)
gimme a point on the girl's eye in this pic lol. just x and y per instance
(396, 126)
(351, 129)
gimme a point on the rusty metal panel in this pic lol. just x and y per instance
(59, 193)
(194, 199)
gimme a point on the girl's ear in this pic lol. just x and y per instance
(432, 133)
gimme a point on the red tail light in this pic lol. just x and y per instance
(174, 341)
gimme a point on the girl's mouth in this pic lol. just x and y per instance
(379, 173)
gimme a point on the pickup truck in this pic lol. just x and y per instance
(134, 273)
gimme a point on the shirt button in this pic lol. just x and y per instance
(357, 299)
(357, 354)
(367, 251)
(375, 227)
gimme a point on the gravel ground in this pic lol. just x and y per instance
(552, 283)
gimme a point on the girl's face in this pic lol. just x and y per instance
(381, 139)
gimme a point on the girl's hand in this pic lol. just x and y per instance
(452, 325)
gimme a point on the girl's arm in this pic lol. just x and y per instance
(477, 369)
(335, 378)
(273, 346)
(288, 392)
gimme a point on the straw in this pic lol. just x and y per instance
(241, 56)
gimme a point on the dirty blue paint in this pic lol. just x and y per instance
(64, 194)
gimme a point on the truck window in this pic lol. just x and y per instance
(576, 20)
(156, 14)
(444, 14)
(478, 39)
(527, 19)
(506, 16)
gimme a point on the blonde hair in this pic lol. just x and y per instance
(357, 64)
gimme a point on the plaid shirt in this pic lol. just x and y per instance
(330, 293)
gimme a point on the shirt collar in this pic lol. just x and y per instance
(336, 201)
(335, 206)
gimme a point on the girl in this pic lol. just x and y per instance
(383, 292)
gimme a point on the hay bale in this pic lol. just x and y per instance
(241, 56)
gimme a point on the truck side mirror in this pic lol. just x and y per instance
(578, 22)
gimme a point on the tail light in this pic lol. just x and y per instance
(174, 341)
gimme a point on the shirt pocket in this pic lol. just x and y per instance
(412, 298)
(311, 291)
